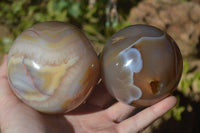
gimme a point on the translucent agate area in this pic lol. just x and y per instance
(141, 65)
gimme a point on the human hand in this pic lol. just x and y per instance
(91, 117)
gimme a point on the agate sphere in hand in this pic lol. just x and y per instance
(141, 65)
(52, 67)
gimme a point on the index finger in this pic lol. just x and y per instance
(147, 116)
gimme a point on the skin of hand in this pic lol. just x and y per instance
(94, 116)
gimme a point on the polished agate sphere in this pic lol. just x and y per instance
(141, 65)
(52, 67)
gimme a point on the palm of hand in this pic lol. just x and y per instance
(16, 117)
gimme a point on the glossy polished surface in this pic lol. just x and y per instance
(141, 65)
(52, 67)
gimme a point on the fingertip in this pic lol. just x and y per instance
(171, 100)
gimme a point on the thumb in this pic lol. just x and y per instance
(4, 86)
(5, 91)
(3, 68)
(7, 97)
(6, 94)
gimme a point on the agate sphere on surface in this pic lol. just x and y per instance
(52, 67)
(141, 65)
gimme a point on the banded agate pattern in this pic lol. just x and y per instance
(141, 65)
(52, 67)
